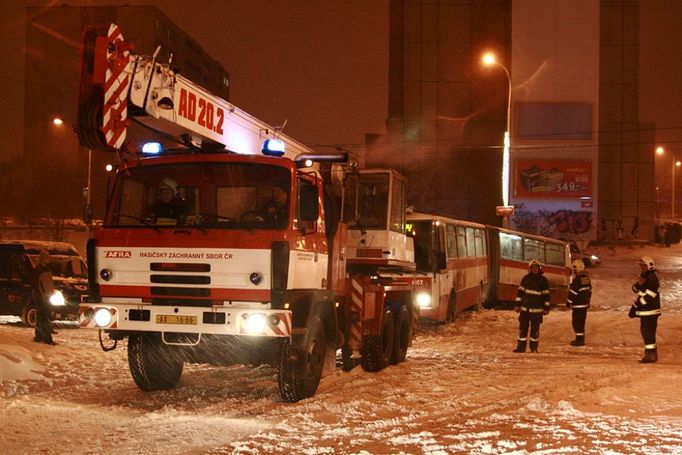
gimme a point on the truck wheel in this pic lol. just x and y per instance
(300, 371)
(452, 309)
(153, 364)
(348, 362)
(377, 350)
(29, 314)
(401, 337)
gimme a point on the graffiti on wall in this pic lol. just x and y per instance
(559, 223)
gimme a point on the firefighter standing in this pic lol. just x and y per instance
(532, 302)
(43, 288)
(647, 307)
(579, 295)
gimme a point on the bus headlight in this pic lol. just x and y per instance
(103, 317)
(57, 299)
(423, 299)
(255, 323)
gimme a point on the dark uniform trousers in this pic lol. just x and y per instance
(533, 320)
(578, 320)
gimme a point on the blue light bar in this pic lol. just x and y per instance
(273, 147)
(152, 148)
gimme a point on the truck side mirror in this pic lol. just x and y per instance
(309, 208)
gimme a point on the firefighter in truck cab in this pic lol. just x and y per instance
(532, 303)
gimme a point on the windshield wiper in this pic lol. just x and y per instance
(145, 221)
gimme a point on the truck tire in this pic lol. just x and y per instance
(348, 362)
(402, 335)
(300, 370)
(377, 350)
(29, 315)
(153, 364)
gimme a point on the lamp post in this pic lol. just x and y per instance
(489, 59)
(87, 210)
(675, 163)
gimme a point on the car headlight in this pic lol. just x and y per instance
(57, 299)
(103, 317)
(423, 299)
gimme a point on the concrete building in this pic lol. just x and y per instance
(53, 163)
(581, 164)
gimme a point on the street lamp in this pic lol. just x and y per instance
(675, 163)
(87, 210)
(489, 60)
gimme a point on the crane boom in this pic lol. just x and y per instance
(121, 84)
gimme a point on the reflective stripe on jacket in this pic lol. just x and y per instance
(533, 293)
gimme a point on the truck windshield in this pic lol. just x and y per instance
(205, 195)
(366, 201)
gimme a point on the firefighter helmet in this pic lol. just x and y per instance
(648, 261)
(578, 266)
(534, 262)
(169, 183)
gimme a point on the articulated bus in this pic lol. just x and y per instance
(462, 265)
(509, 253)
(451, 265)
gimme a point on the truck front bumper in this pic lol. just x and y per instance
(201, 320)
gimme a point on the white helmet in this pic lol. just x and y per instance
(648, 261)
(578, 266)
(534, 262)
(169, 183)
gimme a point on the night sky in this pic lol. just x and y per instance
(323, 64)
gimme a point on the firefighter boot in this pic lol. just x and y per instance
(650, 356)
(520, 346)
(579, 341)
(534, 346)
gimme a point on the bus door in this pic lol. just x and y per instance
(442, 275)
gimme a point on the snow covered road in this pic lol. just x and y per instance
(462, 390)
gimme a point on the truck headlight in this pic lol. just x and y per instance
(57, 299)
(423, 299)
(103, 317)
(255, 323)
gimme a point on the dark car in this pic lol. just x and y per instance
(69, 274)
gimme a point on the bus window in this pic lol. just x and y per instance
(555, 254)
(480, 244)
(451, 240)
(461, 242)
(511, 246)
(471, 243)
(534, 249)
(422, 233)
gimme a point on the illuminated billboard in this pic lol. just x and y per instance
(553, 179)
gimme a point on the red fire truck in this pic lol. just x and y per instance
(243, 246)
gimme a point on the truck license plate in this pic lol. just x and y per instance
(175, 319)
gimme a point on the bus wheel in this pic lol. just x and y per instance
(452, 309)
(401, 337)
(153, 364)
(29, 315)
(377, 350)
(300, 371)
